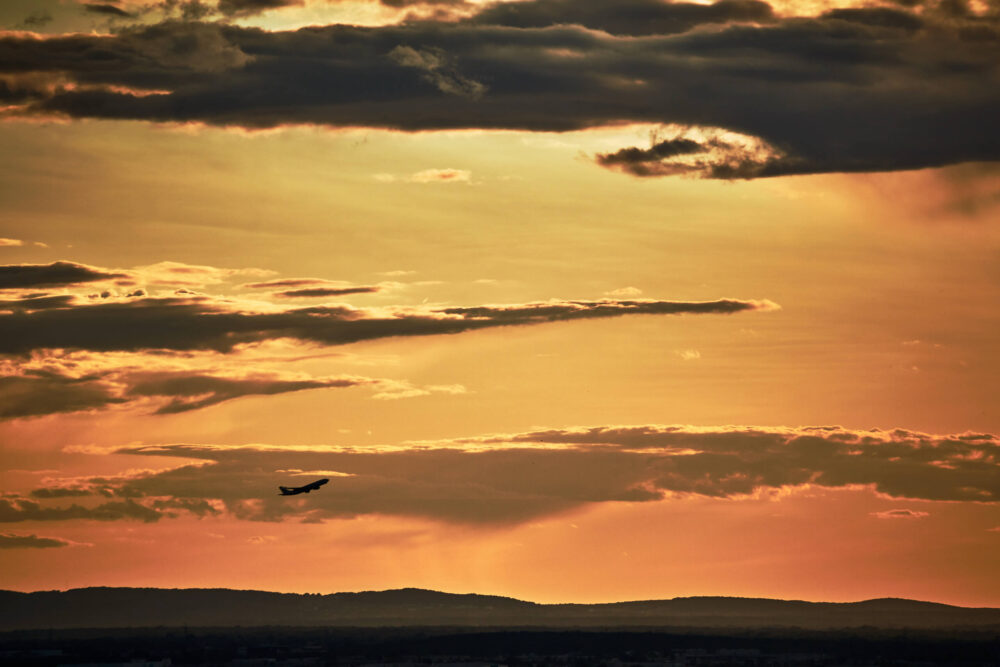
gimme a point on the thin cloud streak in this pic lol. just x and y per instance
(41, 391)
(195, 322)
(14, 541)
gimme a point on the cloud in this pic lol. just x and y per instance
(36, 19)
(719, 154)
(58, 382)
(505, 479)
(25, 396)
(19, 509)
(62, 492)
(441, 176)
(26, 276)
(10, 242)
(198, 322)
(106, 9)
(429, 176)
(624, 292)
(178, 274)
(242, 8)
(188, 392)
(316, 292)
(900, 514)
(437, 69)
(12, 541)
(813, 90)
(880, 17)
(622, 17)
(34, 392)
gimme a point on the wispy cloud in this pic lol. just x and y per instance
(900, 514)
(188, 320)
(14, 541)
(429, 176)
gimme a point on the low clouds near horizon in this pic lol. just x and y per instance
(508, 479)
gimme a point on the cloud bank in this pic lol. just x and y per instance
(854, 89)
(505, 479)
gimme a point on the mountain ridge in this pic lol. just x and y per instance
(120, 607)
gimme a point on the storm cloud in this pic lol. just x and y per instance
(849, 91)
(27, 276)
(514, 478)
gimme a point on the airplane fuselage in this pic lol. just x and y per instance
(296, 490)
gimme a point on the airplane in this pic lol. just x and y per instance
(295, 490)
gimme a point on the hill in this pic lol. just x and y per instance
(154, 607)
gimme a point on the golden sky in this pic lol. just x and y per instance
(567, 305)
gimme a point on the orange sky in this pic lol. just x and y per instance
(588, 364)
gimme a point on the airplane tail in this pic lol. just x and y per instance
(285, 490)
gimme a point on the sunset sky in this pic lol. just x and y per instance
(572, 300)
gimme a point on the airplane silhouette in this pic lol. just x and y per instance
(295, 490)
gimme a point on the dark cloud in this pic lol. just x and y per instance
(36, 19)
(26, 276)
(193, 391)
(438, 69)
(187, 10)
(315, 292)
(106, 9)
(315, 287)
(849, 92)
(13, 510)
(12, 541)
(290, 282)
(900, 514)
(251, 7)
(200, 508)
(649, 161)
(881, 17)
(34, 393)
(202, 323)
(622, 17)
(513, 478)
(37, 302)
(22, 396)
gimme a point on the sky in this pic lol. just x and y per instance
(571, 300)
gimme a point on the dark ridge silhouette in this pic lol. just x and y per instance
(154, 607)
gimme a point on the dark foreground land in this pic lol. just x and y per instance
(158, 607)
(142, 627)
(469, 647)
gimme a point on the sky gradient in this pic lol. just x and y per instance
(572, 300)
